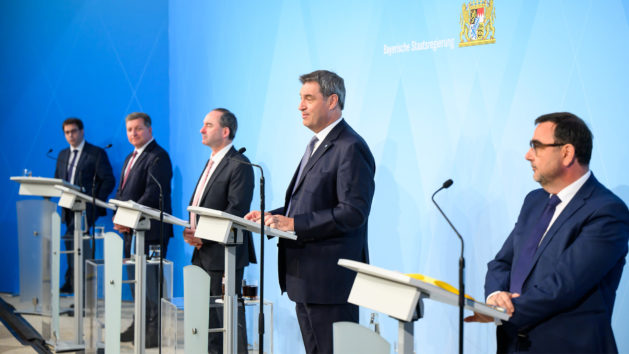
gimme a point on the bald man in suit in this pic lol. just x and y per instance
(226, 184)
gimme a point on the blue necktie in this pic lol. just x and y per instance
(525, 262)
(71, 166)
(302, 165)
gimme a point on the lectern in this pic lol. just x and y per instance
(136, 217)
(76, 201)
(226, 229)
(39, 227)
(401, 297)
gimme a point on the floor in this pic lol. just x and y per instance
(10, 345)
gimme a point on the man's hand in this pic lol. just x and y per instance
(503, 299)
(121, 228)
(500, 299)
(280, 222)
(255, 216)
(188, 236)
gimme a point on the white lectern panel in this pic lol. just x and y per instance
(196, 289)
(113, 291)
(395, 299)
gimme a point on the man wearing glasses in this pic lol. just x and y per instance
(82, 164)
(558, 271)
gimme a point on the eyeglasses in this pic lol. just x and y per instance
(535, 145)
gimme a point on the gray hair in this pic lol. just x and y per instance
(139, 115)
(329, 82)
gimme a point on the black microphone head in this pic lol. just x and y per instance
(242, 150)
(447, 184)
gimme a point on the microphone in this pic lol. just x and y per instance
(261, 313)
(94, 200)
(446, 185)
(95, 170)
(159, 185)
(161, 250)
(241, 151)
(48, 154)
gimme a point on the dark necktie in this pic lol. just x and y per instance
(523, 266)
(75, 152)
(302, 166)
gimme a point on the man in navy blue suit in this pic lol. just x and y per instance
(78, 164)
(558, 271)
(137, 185)
(327, 204)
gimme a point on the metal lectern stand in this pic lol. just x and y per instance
(227, 229)
(136, 217)
(76, 201)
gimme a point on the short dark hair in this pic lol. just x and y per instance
(228, 120)
(329, 82)
(72, 120)
(138, 115)
(570, 129)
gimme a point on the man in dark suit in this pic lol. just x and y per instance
(137, 185)
(558, 271)
(327, 204)
(227, 185)
(78, 165)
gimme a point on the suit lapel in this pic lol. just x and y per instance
(217, 171)
(324, 147)
(143, 156)
(63, 163)
(81, 162)
(124, 168)
(198, 182)
(577, 202)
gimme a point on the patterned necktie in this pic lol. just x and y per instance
(69, 176)
(302, 166)
(199, 192)
(126, 173)
(523, 266)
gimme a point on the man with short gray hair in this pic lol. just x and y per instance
(327, 204)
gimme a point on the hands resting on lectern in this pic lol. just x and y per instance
(120, 228)
(500, 299)
(279, 222)
(188, 236)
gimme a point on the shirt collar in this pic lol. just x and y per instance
(80, 147)
(325, 131)
(571, 190)
(143, 147)
(218, 156)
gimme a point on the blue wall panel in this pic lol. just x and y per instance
(97, 60)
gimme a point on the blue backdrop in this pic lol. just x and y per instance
(428, 114)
